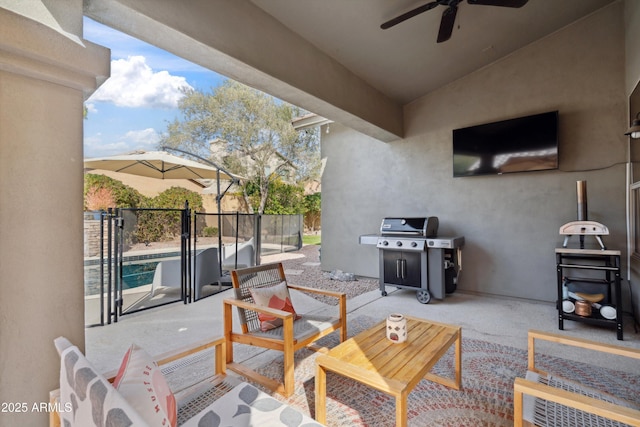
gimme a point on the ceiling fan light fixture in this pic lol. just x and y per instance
(634, 130)
(448, 19)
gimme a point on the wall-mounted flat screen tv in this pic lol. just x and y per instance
(516, 145)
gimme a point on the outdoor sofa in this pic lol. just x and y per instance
(139, 394)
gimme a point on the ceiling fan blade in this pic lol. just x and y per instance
(503, 3)
(446, 23)
(410, 14)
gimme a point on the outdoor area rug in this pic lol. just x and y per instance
(486, 398)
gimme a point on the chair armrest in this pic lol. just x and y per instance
(218, 343)
(281, 314)
(601, 408)
(575, 342)
(342, 305)
(317, 291)
(162, 359)
(54, 400)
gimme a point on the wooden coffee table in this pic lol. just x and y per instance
(392, 368)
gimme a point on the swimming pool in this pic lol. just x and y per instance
(133, 275)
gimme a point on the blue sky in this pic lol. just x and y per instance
(130, 111)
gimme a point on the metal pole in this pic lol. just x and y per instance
(219, 206)
(109, 263)
(583, 211)
(102, 216)
(235, 262)
(119, 240)
(185, 255)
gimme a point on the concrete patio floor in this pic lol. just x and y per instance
(495, 319)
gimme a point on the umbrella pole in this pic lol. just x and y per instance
(219, 204)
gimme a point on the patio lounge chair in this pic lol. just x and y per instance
(288, 338)
(205, 270)
(544, 399)
(239, 255)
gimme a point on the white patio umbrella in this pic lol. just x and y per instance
(157, 164)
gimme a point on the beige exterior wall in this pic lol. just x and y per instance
(45, 73)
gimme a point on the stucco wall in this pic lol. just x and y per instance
(44, 74)
(632, 70)
(510, 222)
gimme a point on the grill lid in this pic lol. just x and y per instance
(423, 226)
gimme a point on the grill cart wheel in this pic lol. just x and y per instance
(423, 296)
(384, 293)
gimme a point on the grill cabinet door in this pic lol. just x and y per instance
(402, 268)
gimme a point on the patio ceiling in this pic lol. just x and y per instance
(330, 56)
(405, 62)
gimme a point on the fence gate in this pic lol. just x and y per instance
(147, 258)
(141, 264)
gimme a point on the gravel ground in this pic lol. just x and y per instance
(303, 268)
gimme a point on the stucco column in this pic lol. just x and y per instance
(45, 74)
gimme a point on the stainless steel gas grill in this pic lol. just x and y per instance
(411, 256)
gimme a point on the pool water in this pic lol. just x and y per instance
(133, 276)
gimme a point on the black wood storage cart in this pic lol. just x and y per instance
(603, 262)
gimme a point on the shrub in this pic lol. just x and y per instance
(209, 231)
(99, 199)
(123, 195)
(159, 225)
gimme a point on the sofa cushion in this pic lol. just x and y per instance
(273, 297)
(141, 382)
(86, 397)
(246, 406)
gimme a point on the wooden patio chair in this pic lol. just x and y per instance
(544, 399)
(289, 337)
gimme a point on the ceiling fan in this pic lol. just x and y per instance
(449, 15)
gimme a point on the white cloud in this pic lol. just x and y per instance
(144, 139)
(134, 84)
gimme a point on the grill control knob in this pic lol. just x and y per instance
(398, 243)
(385, 243)
(414, 244)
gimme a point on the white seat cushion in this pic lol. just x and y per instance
(246, 406)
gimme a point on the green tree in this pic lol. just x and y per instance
(247, 131)
(312, 210)
(284, 199)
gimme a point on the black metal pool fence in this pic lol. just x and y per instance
(123, 247)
